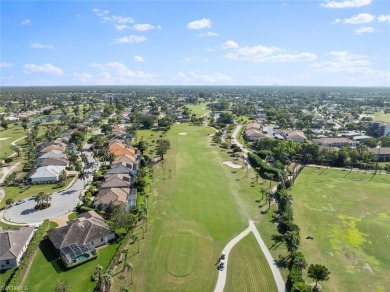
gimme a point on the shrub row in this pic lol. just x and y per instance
(19, 275)
(257, 162)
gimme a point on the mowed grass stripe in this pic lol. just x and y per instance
(247, 268)
(191, 195)
(348, 216)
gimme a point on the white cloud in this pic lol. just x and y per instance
(121, 27)
(230, 44)
(364, 29)
(262, 53)
(208, 34)
(344, 61)
(384, 18)
(130, 39)
(46, 68)
(345, 3)
(355, 69)
(357, 19)
(41, 46)
(119, 22)
(194, 78)
(26, 22)
(138, 59)
(199, 24)
(112, 73)
(145, 26)
(6, 65)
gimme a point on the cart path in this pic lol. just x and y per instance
(6, 171)
(275, 271)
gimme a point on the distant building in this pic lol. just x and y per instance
(379, 128)
(335, 142)
(382, 154)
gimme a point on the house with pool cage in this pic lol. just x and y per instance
(76, 242)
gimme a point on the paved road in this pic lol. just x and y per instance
(235, 141)
(275, 271)
(61, 203)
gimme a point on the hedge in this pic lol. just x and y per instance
(295, 275)
(28, 257)
(257, 162)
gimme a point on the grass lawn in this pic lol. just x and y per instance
(199, 109)
(47, 268)
(23, 192)
(381, 116)
(72, 216)
(11, 134)
(193, 214)
(248, 270)
(5, 226)
(5, 275)
(348, 216)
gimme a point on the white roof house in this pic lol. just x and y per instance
(46, 173)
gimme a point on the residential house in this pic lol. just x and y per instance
(115, 146)
(46, 174)
(124, 197)
(117, 181)
(89, 227)
(256, 126)
(335, 142)
(382, 154)
(296, 135)
(52, 154)
(58, 147)
(129, 161)
(120, 168)
(13, 244)
(253, 134)
(124, 151)
(60, 161)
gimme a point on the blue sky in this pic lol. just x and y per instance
(327, 43)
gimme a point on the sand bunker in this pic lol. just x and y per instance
(231, 164)
(182, 134)
(5, 138)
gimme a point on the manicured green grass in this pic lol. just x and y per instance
(53, 225)
(24, 192)
(381, 116)
(47, 269)
(248, 269)
(5, 276)
(348, 216)
(199, 109)
(5, 226)
(72, 216)
(193, 214)
(12, 133)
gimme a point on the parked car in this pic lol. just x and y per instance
(20, 202)
(32, 197)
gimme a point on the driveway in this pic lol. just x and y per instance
(61, 203)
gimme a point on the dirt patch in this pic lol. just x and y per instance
(183, 134)
(231, 164)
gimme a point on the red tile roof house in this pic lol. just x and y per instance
(13, 244)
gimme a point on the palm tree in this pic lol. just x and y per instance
(98, 274)
(108, 281)
(39, 198)
(46, 197)
(129, 268)
(111, 158)
(135, 238)
(82, 176)
(144, 219)
(125, 251)
(269, 199)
